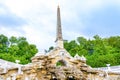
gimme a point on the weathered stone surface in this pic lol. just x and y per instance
(45, 68)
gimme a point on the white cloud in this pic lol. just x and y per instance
(9, 32)
(25, 7)
(2, 11)
(40, 37)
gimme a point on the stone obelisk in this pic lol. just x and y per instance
(59, 39)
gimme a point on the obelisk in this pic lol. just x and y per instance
(59, 39)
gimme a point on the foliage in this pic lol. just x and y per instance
(98, 51)
(16, 48)
(59, 64)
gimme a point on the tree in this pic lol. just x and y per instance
(82, 41)
(98, 51)
(19, 48)
(13, 40)
(4, 43)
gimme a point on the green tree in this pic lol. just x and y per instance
(98, 51)
(16, 48)
(4, 43)
(13, 40)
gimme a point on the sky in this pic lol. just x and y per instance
(36, 19)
